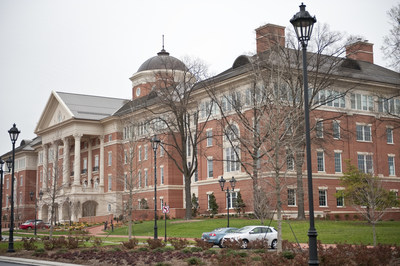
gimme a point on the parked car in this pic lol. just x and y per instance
(30, 224)
(216, 235)
(251, 233)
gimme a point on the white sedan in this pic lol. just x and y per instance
(251, 233)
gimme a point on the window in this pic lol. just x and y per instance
(338, 162)
(232, 162)
(41, 176)
(96, 163)
(231, 133)
(331, 98)
(319, 127)
(390, 106)
(161, 203)
(289, 162)
(146, 152)
(209, 135)
(7, 200)
(84, 170)
(125, 157)
(363, 132)
(320, 161)
(146, 176)
(20, 198)
(161, 151)
(125, 181)
(322, 198)
(109, 207)
(110, 158)
(162, 174)
(339, 198)
(336, 129)
(232, 199)
(391, 165)
(109, 182)
(21, 180)
(140, 153)
(109, 137)
(365, 163)
(189, 146)
(210, 167)
(389, 135)
(40, 157)
(291, 197)
(139, 179)
(362, 102)
(8, 183)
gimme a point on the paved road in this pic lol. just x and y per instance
(20, 261)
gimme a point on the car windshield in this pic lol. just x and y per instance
(244, 229)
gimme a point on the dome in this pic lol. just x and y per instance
(162, 61)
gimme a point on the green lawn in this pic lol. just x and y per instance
(329, 232)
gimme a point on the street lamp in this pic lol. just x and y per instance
(303, 24)
(155, 141)
(1, 196)
(14, 132)
(222, 184)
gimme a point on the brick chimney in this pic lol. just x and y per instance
(269, 35)
(361, 50)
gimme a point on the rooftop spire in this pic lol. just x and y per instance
(163, 52)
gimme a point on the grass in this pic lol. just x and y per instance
(329, 232)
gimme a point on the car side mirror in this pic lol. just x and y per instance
(251, 232)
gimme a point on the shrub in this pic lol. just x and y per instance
(355, 217)
(97, 242)
(186, 250)
(48, 245)
(346, 216)
(233, 244)
(194, 261)
(337, 216)
(155, 243)
(178, 243)
(196, 249)
(29, 244)
(259, 244)
(203, 244)
(73, 242)
(288, 254)
(40, 252)
(131, 243)
(143, 249)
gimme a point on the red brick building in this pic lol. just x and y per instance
(96, 148)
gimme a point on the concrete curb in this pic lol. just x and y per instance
(35, 262)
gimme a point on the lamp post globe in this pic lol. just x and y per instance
(14, 132)
(303, 24)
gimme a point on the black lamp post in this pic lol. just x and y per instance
(303, 24)
(1, 196)
(155, 141)
(14, 132)
(227, 191)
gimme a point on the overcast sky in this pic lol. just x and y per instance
(94, 46)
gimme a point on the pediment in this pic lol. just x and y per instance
(55, 112)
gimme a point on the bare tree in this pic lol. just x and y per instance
(130, 178)
(391, 47)
(177, 118)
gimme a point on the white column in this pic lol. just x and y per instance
(45, 166)
(77, 160)
(101, 164)
(66, 171)
(89, 162)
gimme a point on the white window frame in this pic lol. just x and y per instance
(209, 134)
(389, 135)
(325, 197)
(319, 162)
(319, 129)
(231, 201)
(162, 175)
(146, 177)
(336, 129)
(391, 165)
(146, 152)
(364, 132)
(140, 153)
(341, 198)
(367, 158)
(291, 193)
(109, 158)
(210, 167)
(338, 163)
(109, 182)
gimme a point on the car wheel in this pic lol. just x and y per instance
(220, 244)
(274, 243)
(29, 228)
(245, 243)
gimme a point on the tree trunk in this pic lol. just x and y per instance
(188, 199)
(299, 158)
(130, 227)
(374, 233)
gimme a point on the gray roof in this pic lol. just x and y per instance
(89, 106)
(162, 61)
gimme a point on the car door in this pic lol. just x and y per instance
(255, 234)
